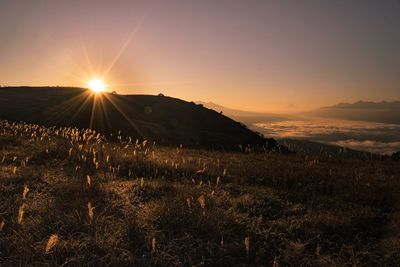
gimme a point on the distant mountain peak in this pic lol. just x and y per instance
(366, 104)
(383, 111)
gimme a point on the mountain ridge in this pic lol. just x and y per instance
(381, 112)
(366, 104)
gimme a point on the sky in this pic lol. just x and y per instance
(264, 55)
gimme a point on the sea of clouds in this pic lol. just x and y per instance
(360, 135)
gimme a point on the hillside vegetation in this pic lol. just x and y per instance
(72, 198)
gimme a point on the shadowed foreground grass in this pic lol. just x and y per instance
(69, 198)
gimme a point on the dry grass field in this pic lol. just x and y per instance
(70, 198)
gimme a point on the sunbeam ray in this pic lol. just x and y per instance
(125, 45)
(127, 118)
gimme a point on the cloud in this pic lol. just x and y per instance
(368, 136)
(370, 145)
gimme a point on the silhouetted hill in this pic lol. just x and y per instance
(162, 119)
(384, 112)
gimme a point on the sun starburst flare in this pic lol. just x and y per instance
(96, 85)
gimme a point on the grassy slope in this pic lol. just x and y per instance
(163, 206)
(165, 120)
(306, 147)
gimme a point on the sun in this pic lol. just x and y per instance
(97, 85)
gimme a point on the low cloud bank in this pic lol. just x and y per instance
(367, 136)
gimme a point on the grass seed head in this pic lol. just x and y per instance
(51, 243)
(25, 192)
(317, 250)
(2, 224)
(88, 180)
(21, 212)
(153, 244)
(276, 262)
(247, 245)
(90, 211)
(202, 201)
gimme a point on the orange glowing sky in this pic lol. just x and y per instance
(251, 55)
